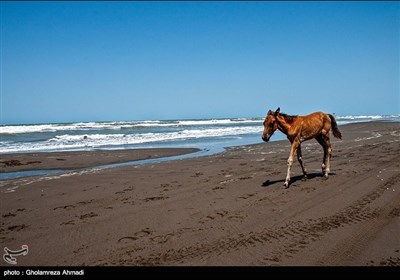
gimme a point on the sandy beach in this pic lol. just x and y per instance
(227, 209)
(81, 159)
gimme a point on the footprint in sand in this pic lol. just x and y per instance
(154, 198)
(17, 227)
(83, 247)
(235, 218)
(160, 239)
(9, 214)
(136, 235)
(197, 174)
(85, 202)
(67, 223)
(64, 207)
(129, 189)
(165, 187)
(217, 214)
(246, 196)
(88, 215)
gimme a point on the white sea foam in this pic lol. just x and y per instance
(17, 129)
(372, 117)
(14, 129)
(88, 135)
(365, 118)
(67, 141)
(219, 121)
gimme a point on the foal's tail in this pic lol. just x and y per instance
(335, 129)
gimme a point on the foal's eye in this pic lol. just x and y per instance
(271, 124)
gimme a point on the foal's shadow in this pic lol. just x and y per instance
(294, 179)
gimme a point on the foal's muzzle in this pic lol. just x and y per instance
(266, 138)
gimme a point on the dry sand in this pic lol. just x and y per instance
(227, 209)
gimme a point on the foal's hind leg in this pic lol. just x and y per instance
(300, 159)
(322, 142)
(329, 151)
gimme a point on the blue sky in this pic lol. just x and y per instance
(92, 61)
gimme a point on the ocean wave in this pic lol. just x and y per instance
(218, 121)
(341, 120)
(118, 134)
(37, 128)
(19, 129)
(67, 141)
(371, 117)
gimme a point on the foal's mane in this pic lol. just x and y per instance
(289, 119)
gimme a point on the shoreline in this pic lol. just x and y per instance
(224, 209)
(71, 160)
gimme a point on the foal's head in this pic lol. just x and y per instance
(270, 124)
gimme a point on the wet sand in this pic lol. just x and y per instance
(81, 159)
(226, 209)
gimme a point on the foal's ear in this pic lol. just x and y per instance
(277, 111)
(269, 112)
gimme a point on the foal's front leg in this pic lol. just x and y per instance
(293, 150)
(300, 159)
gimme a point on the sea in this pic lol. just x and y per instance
(211, 135)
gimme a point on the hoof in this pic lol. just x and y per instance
(285, 186)
(304, 178)
(326, 176)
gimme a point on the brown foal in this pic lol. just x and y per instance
(299, 129)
